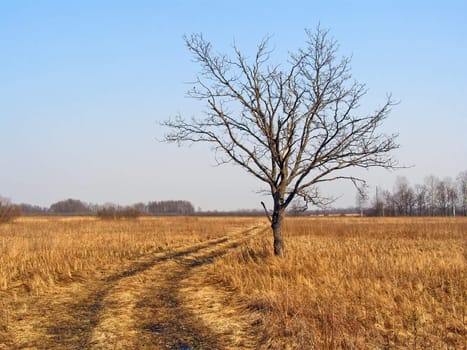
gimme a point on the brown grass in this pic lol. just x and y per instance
(51, 267)
(346, 283)
(36, 253)
(350, 283)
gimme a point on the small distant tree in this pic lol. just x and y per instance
(8, 211)
(441, 196)
(362, 198)
(431, 183)
(296, 208)
(389, 206)
(451, 195)
(421, 194)
(292, 126)
(462, 190)
(107, 213)
(378, 203)
(140, 208)
(129, 213)
(403, 196)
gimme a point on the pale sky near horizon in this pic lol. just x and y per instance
(85, 84)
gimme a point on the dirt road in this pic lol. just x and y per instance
(160, 301)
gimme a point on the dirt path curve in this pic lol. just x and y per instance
(162, 301)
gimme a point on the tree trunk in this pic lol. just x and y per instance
(276, 224)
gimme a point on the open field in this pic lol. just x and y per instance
(212, 283)
(357, 284)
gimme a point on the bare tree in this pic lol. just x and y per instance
(431, 183)
(462, 187)
(389, 206)
(378, 203)
(421, 194)
(8, 211)
(362, 198)
(292, 126)
(452, 197)
(404, 196)
(442, 197)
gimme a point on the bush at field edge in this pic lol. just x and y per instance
(9, 212)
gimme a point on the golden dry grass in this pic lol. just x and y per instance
(36, 253)
(346, 283)
(350, 283)
(56, 272)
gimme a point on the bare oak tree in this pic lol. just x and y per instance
(292, 126)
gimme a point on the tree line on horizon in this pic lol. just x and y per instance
(433, 197)
(9, 210)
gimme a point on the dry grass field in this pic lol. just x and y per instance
(212, 283)
(351, 283)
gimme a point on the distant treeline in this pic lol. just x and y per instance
(434, 197)
(78, 207)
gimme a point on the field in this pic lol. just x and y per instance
(212, 283)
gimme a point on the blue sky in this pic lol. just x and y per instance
(84, 85)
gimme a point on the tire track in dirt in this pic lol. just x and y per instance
(147, 305)
(146, 308)
(74, 320)
(172, 315)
